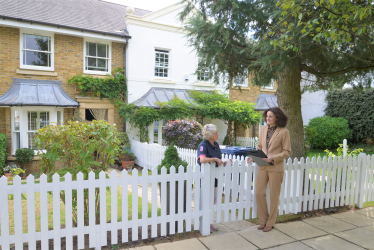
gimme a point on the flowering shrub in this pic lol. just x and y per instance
(184, 134)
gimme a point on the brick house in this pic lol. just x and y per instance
(40, 51)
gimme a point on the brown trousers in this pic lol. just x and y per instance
(275, 181)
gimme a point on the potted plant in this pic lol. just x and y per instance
(8, 172)
(128, 159)
(18, 171)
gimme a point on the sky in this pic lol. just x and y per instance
(151, 5)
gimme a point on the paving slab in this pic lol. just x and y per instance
(143, 248)
(183, 244)
(227, 241)
(329, 224)
(265, 239)
(355, 218)
(222, 229)
(369, 212)
(362, 236)
(291, 246)
(299, 230)
(238, 225)
(329, 242)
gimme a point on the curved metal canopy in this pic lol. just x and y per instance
(30, 92)
(266, 101)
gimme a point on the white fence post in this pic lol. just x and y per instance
(344, 148)
(361, 169)
(205, 222)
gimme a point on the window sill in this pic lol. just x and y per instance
(36, 72)
(165, 81)
(13, 158)
(269, 90)
(96, 73)
(204, 84)
(243, 88)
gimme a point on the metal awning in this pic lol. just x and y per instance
(162, 95)
(266, 101)
(30, 92)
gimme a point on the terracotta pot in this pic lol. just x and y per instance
(8, 175)
(128, 165)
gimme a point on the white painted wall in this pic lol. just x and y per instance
(140, 62)
(313, 104)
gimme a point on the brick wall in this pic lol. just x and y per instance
(248, 94)
(68, 62)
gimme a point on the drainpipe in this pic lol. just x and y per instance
(124, 73)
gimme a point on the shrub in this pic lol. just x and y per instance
(184, 134)
(124, 139)
(171, 158)
(356, 107)
(340, 151)
(24, 155)
(3, 153)
(327, 132)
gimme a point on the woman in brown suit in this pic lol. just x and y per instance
(275, 142)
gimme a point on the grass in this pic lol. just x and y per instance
(140, 173)
(62, 210)
(368, 204)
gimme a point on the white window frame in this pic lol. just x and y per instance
(41, 33)
(166, 52)
(109, 58)
(23, 112)
(271, 85)
(244, 84)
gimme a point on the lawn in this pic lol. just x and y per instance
(62, 209)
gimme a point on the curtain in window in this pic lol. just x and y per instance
(99, 114)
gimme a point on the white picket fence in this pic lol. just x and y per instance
(247, 141)
(308, 185)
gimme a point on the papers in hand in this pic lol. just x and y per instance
(257, 156)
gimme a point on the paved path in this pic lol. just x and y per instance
(348, 230)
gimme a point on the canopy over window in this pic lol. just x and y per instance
(30, 92)
(266, 101)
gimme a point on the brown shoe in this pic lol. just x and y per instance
(261, 227)
(267, 229)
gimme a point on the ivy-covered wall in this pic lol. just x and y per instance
(357, 108)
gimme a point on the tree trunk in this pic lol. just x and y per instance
(289, 100)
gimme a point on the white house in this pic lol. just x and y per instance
(159, 64)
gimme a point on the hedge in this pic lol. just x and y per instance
(3, 154)
(357, 108)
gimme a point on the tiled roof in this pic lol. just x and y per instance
(265, 101)
(93, 15)
(30, 92)
(154, 95)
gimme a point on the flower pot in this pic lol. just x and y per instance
(128, 165)
(8, 176)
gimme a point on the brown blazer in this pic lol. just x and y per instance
(279, 147)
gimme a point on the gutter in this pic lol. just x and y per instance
(124, 73)
(65, 26)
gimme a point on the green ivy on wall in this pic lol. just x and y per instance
(112, 86)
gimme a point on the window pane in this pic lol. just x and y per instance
(16, 120)
(59, 118)
(101, 50)
(32, 116)
(92, 49)
(36, 58)
(17, 140)
(91, 62)
(44, 119)
(31, 137)
(101, 63)
(35, 42)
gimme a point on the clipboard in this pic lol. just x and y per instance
(257, 156)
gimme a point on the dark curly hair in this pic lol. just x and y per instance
(282, 119)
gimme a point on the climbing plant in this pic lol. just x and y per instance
(213, 105)
(112, 86)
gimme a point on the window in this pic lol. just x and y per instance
(270, 86)
(35, 121)
(97, 58)
(162, 63)
(16, 130)
(241, 81)
(36, 51)
(203, 76)
(157, 131)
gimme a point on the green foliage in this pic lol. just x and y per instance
(3, 154)
(357, 107)
(7, 169)
(123, 139)
(112, 86)
(327, 132)
(183, 133)
(24, 155)
(340, 152)
(17, 170)
(80, 147)
(171, 158)
(127, 155)
(213, 105)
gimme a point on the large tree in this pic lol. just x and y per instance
(235, 38)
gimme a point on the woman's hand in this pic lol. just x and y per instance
(249, 160)
(219, 161)
(224, 164)
(269, 159)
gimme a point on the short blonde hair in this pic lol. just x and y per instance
(209, 130)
